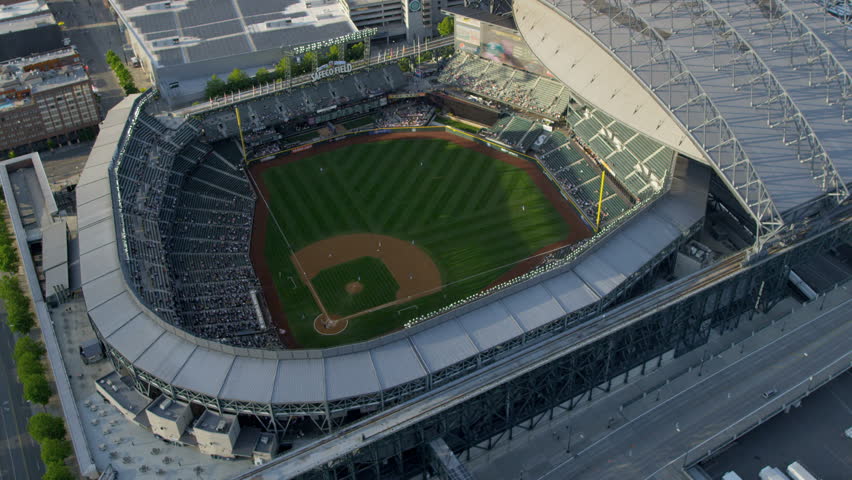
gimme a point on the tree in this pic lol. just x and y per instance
(12, 154)
(334, 52)
(262, 75)
(29, 364)
(306, 65)
(445, 51)
(36, 389)
(237, 79)
(55, 450)
(405, 64)
(19, 317)
(281, 68)
(57, 471)
(26, 345)
(51, 144)
(447, 26)
(9, 288)
(44, 425)
(355, 51)
(8, 255)
(424, 57)
(215, 87)
(112, 59)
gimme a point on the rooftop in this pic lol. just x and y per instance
(26, 23)
(214, 422)
(10, 10)
(167, 408)
(186, 31)
(128, 398)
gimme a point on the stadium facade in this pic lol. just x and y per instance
(180, 44)
(760, 133)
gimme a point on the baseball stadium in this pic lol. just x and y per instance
(307, 253)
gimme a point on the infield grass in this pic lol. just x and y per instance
(474, 215)
(379, 286)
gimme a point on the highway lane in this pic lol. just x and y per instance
(642, 446)
(19, 454)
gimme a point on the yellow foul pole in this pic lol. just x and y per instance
(600, 198)
(242, 140)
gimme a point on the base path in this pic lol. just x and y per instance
(411, 267)
(578, 229)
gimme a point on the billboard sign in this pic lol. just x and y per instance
(330, 69)
(467, 34)
(508, 47)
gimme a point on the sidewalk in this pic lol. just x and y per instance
(575, 430)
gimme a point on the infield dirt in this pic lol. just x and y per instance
(578, 229)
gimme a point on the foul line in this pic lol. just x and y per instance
(289, 246)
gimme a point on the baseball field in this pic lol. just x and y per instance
(353, 239)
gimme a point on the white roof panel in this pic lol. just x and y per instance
(96, 168)
(96, 235)
(651, 232)
(166, 356)
(113, 314)
(598, 274)
(443, 345)
(90, 191)
(98, 262)
(301, 380)
(251, 379)
(102, 289)
(350, 375)
(205, 371)
(533, 307)
(622, 254)
(54, 245)
(94, 211)
(571, 291)
(135, 336)
(397, 363)
(490, 325)
(56, 278)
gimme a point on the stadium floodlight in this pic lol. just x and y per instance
(348, 38)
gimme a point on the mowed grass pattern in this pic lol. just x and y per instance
(474, 215)
(379, 286)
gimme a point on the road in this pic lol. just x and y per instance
(93, 31)
(644, 446)
(19, 454)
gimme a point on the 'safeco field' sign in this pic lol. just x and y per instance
(331, 68)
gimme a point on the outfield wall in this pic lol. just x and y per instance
(445, 128)
(566, 255)
(323, 385)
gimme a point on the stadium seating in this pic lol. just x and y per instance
(187, 216)
(505, 84)
(272, 110)
(639, 163)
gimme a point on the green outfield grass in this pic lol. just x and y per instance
(471, 213)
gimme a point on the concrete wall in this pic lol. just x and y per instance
(218, 443)
(166, 427)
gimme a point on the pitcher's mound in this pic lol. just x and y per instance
(354, 288)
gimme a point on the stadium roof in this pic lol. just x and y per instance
(761, 91)
(483, 16)
(403, 358)
(186, 31)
